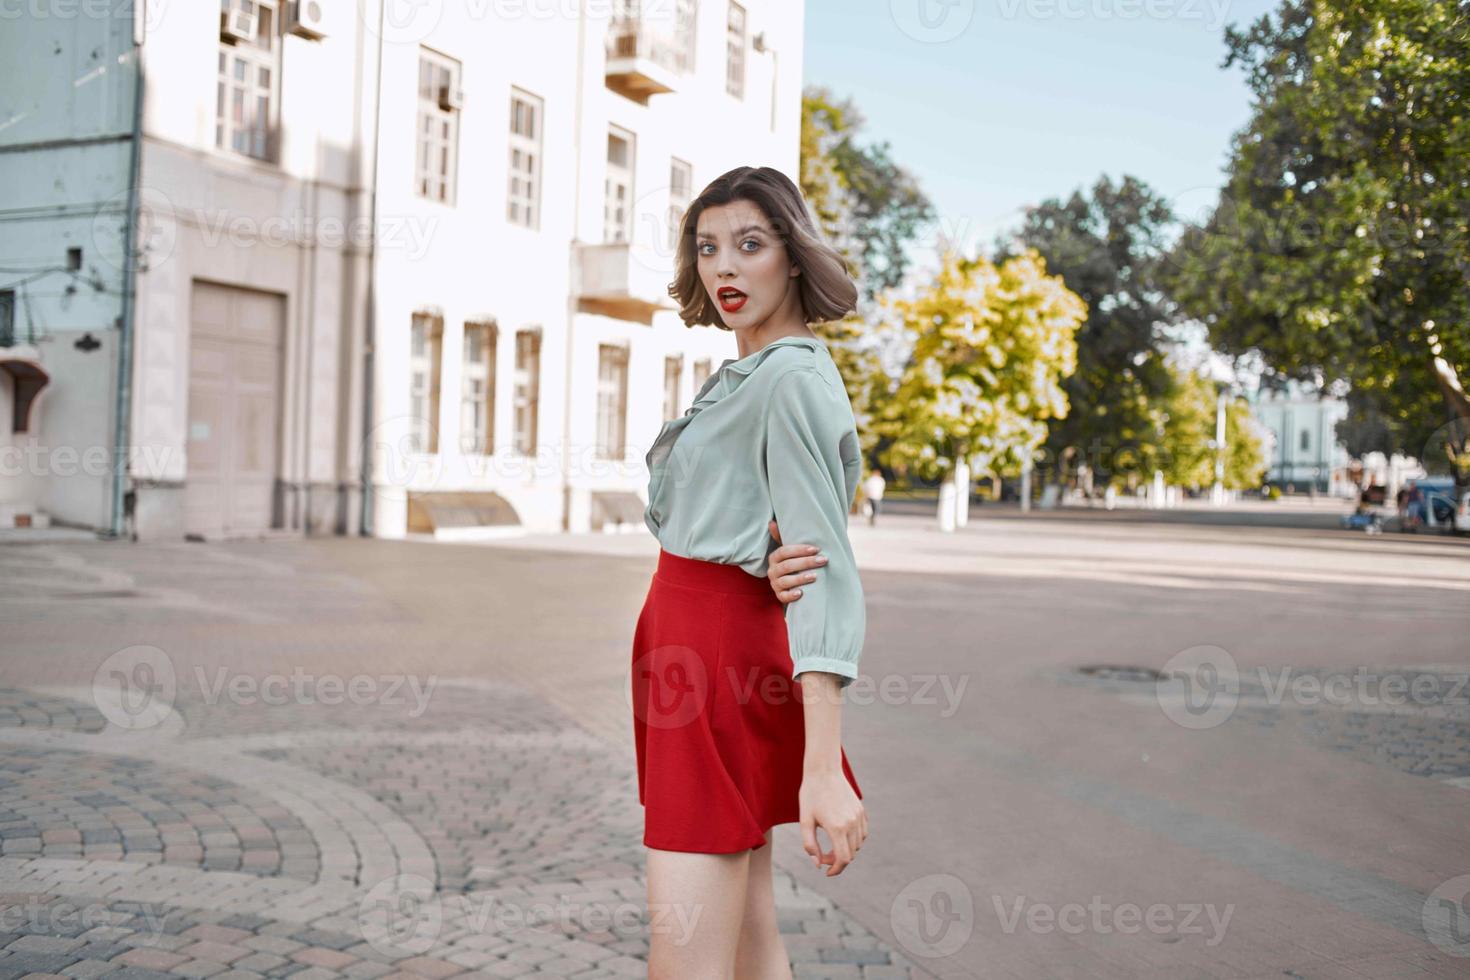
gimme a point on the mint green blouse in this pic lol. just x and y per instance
(770, 435)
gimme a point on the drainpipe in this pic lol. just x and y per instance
(576, 277)
(121, 468)
(365, 515)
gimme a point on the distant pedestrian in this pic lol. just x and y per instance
(873, 492)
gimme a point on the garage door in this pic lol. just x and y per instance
(234, 410)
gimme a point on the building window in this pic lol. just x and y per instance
(477, 403)
(425, 341)
(686, 31)
(524, 200)
(437, 162)
(1306, 439)
(527, 389)
(701, 372)
(618, 188)
(612, 399)
(7, 318)
(681, 192)
(249, 51)
(673, 374)
(735, 51)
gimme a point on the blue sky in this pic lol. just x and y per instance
(996, 104)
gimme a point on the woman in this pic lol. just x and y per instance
(737, 697)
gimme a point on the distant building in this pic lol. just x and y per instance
(1302, 448)
(398, 267)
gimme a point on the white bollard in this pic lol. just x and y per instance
(946, 505)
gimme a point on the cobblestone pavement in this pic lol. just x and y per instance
(472, 809)
(454, 827)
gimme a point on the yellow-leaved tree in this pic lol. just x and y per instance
(991, 345)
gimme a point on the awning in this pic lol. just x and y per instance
(429, 512)
(27, 378)
(616, 507)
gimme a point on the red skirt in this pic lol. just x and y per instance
(717, 719)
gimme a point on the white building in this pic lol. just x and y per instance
(1302, 448)
(66, 114)
(421, 247)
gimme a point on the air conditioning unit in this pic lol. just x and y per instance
(239, 22)
(450, 98)
(307, 19)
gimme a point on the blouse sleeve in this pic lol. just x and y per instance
(808, 433)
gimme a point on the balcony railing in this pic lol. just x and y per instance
(644, 59)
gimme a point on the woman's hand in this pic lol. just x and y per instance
(788, 567)
(827, 800)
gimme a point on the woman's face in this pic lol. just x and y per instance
(743, 264)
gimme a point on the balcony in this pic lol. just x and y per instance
(622, 280)
(643, 61)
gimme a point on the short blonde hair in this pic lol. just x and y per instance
(827, 290)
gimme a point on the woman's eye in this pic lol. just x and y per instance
(709, 245)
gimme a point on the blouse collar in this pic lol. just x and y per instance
(733, 371)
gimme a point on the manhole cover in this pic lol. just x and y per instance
(1116, 672)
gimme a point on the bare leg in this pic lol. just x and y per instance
(761, 954)
(695, 903)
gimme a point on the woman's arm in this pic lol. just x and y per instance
(812, 464)
(811, 458)
(826, 797)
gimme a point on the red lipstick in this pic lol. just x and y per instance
(731, 299)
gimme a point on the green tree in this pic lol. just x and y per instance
(991, 345)
(1338, 249)
(869, 207)
(1107, 247)
(1188, 452)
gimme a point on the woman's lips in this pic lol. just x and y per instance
(731, 301)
